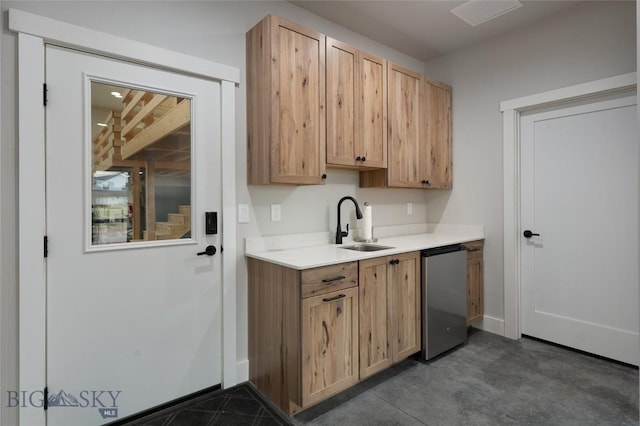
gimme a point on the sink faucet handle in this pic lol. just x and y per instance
(346, 233)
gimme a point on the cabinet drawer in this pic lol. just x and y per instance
(329, 278)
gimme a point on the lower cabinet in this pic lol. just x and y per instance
(475, 273)
(303, 332)
(316, 332)
(329, 344)
(389, 311)
(375, 329)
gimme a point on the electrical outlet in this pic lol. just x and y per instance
(409, 208)
(243, 213)
(276, 213)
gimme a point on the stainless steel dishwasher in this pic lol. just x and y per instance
(444, 299)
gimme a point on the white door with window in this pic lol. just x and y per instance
(579, 235)
(133, 294)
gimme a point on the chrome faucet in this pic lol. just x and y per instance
(339, 232)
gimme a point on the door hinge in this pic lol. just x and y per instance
(46, 246)
(45, 402)
(44, 94)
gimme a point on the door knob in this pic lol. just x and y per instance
(529, 234)
(209, 251)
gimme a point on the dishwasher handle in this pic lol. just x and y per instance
(442, 250)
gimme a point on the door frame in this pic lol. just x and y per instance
(511, 111)
(34, 32)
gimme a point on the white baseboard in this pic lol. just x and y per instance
(492, 325)
(242, 371)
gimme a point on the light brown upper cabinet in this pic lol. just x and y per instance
(405, 147)
(437, 134)
(386, 121)
(356, 108)
(419, 133)
(285, 103)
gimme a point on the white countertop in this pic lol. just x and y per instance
(304, 251)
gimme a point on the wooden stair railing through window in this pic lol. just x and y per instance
(145, 119)
(148, 134)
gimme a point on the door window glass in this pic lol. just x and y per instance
(140, 165)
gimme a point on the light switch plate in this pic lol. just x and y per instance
(243, 213)
(409, 207)
(276, 213)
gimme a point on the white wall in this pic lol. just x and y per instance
(591, 41)
(214, 31)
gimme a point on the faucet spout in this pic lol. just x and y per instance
(339, 232)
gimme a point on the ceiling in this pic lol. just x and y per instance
(425, 29)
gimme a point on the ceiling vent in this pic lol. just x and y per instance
(475, 12)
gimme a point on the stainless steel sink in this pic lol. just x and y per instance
(366, 247)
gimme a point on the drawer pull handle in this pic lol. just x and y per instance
(330, 280)
(473, 249)
(331, 299)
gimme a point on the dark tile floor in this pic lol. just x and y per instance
(240, 405)
(490, 381)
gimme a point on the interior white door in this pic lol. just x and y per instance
(129, 325)
(579, 186)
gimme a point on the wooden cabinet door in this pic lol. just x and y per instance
(371, 111)
(375, 350)
(404, 294)
(342, 96)
(356, 107)
(475, 303)
(404, 166)
(329, 344)
(298, 116)
(285, 103)
(436, 136)
(389, 311)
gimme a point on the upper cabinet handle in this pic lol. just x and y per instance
(358, 158)
(364, 158)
